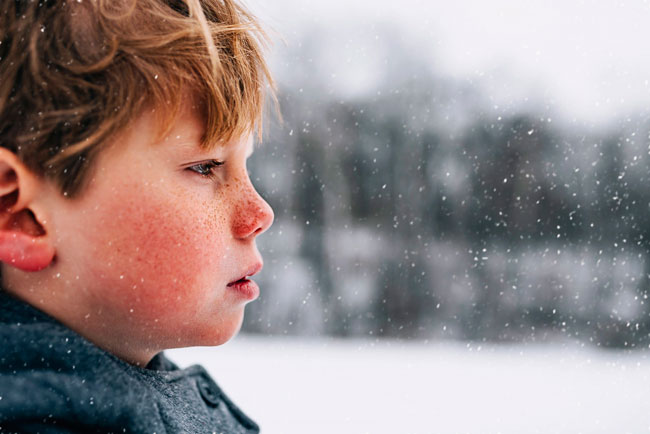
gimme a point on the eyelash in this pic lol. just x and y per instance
(206, 169)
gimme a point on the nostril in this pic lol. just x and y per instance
(267, 218)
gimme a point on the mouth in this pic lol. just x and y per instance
(251, 271)
(243, 288)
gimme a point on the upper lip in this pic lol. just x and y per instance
(250, 271)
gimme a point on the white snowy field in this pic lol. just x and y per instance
(330, 386)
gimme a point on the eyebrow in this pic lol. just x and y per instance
(187, 143)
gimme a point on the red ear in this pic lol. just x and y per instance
(23, 251)
(24, 243)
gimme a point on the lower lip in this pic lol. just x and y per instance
(246, 288)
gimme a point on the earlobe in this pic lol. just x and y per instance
(24, 243)
(25, 252)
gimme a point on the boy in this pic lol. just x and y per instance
(127, 217)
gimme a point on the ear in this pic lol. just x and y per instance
(24, 243)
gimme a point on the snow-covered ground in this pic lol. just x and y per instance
(334, 386)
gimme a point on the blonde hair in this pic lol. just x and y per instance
(74, 73)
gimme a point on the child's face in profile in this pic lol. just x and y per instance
(157, 240)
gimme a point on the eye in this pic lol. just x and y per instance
(206, 168)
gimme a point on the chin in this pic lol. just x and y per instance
(219, 334)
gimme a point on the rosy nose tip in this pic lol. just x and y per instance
(253, 218)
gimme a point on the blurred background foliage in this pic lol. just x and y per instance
(422, 210)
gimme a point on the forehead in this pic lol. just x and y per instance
(187, 130)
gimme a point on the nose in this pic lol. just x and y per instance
(253, 215)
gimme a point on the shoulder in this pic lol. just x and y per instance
(66, 399)
(50, 375)
(86, 394)
(34, 345)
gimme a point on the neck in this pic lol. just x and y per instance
(49, 292)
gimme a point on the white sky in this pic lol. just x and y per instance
(591, 59)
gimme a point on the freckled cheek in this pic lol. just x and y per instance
(166, 257)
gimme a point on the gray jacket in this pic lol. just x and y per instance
(52, 380)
